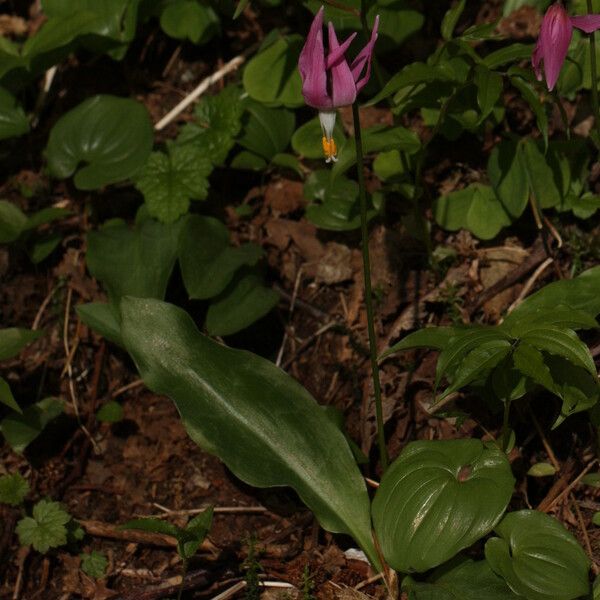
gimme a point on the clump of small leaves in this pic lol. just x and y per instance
(46, 528)
(94, 564)
(252, 568)
(13, 489)
(308, 585)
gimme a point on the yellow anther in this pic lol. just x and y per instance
(329, 149)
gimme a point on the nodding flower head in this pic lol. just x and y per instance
(328, 81)
(554, 39)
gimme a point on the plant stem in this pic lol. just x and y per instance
(594, 73)
(368, 294)
(505, 426)
(184, 569)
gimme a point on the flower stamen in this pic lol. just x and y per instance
(329, 149)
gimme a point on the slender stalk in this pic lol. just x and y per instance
(184, 569)
(505, 426)
(594, 72)
(368, 293)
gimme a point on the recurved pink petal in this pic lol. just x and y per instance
(343, 89)
(361, 65)
(554, 40)
(312, 66)
(332, 57)
(587, 23)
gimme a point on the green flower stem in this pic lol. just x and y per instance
(594, 73)
(368, 294)
(506, 426)
(184, 569)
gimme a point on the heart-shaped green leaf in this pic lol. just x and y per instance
(437, 498)
(508, 177)
(538, 557)
(264, 426)
(208, 262)
(189, 19)
(112, 136)
(272, 76)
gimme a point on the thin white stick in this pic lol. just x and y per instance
(234, 589)
(232, 65)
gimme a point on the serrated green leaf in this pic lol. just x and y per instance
(262, 424)
(169, 181)
(437, 498)
(428, 337)
(13, 489)
(112, 136)
(218, 121)
(538, 557)
(46, 528)
(19, 430)
(94, 564)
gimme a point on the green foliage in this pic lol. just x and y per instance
(460, 579)
(271, 77)
(286, 438)
(189, 538)
(46, 528)
(13, 122)
(111, 412)
(170, 180)
(189, 19)
(20, 429)
(13, 489)
(94, 564)
(438, 498)
(111, 136)
(538, 557)
(306, 140)
(252, 568)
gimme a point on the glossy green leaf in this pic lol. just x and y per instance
(451, 19)
(541, 176)
(13, 222)
(478, 362)
(579, 294)
(194, 533)
(272, 76)
(428, 337)
(189, 19)
(46, 216)
(13, 121)
(43, 247)
(152, 525)
(264, 426)
(102, 318)
(508, 54)
(170, 180)
(561, 342)
(266, 131)
(19, 430)
(462, 579)
(245, 301)
(112, 136)
(208, 262)
(537, 106)
(538, 557)
(508, 177)
(14, 339)
(398, 21)
(437, 498)
(135, 261)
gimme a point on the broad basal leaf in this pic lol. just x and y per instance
(462, 579)
(538, 557)
(264, 426)
(13, 121)
(189, 19)
(169, 181)
(112, 136)
(508, 177)
(437, 498)
(13, 222)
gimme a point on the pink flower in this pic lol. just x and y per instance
(554, 39)
(328, 82)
